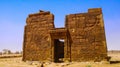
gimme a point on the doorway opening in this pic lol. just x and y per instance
(58, 50)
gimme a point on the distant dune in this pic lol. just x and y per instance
(10, 55)
(114, 51)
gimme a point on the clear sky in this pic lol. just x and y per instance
(13, 14)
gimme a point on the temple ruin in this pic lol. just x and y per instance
(82, 38)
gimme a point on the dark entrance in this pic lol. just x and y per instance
(60, 45)
(58, 50)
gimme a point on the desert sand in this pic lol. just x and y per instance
(17, 62)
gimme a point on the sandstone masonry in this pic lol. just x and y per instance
(82, 38)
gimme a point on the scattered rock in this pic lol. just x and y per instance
(29, 62)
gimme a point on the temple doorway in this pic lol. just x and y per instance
(58, 50)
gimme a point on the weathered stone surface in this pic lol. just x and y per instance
(36, 43)
(83, 37)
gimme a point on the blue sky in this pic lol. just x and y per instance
(13, 14)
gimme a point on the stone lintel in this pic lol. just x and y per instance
(57, 30)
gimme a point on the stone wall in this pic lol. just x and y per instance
(87, 35)
(84, 37)
(36, 37)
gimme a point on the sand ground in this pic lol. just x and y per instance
(16, 62)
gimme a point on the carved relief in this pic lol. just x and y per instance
(83, 35)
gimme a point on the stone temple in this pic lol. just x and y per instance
(82, 38)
